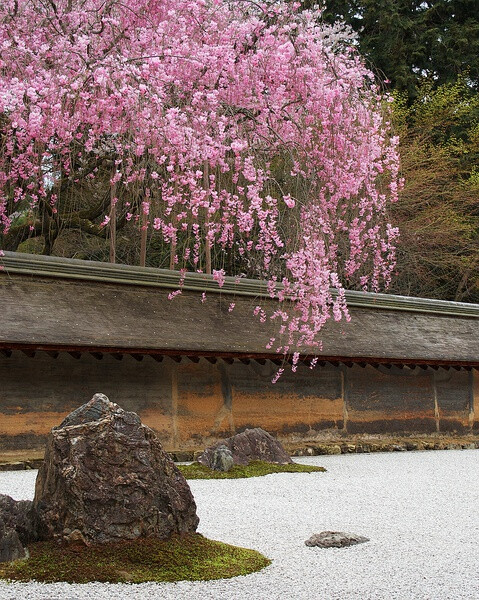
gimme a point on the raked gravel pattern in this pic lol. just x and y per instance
(419, 509)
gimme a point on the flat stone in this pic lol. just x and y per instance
(250, 445)
(335, 539)
(108, 479)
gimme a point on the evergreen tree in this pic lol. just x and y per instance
(407, 41)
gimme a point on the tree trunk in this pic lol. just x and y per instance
(206, 184)
(144, 232)
(113, 224)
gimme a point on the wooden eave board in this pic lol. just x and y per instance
(52, 311)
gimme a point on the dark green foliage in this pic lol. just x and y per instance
(437, 212)
(254, 469)
(189, 557)
(409, 41)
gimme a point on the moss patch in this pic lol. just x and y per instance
(191, 557)
(254, 469)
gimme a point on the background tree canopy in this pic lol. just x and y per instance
(409, 41)
(438, 209)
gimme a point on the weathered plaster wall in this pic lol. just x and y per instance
(191, 404)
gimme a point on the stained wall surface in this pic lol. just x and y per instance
(190, 404)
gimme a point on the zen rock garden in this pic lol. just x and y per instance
(106, 480)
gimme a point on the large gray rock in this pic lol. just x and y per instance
(106, 478)
(10, 545)
(251, 444)
(335, 539)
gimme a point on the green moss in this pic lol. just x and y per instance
(191, 557)
(254, 469)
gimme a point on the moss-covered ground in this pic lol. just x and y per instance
(254, 469)
(187, 557)
(190, 557)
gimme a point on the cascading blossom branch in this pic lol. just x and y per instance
(192, 105)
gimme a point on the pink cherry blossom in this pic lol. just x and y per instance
(195, 106)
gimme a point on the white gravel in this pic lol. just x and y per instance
(419, 509)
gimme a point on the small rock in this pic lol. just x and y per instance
(222, 458)
(412, 446)
(335, 539)
(297, 452)
(74, 536)
(251, 444)
(328, 449)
